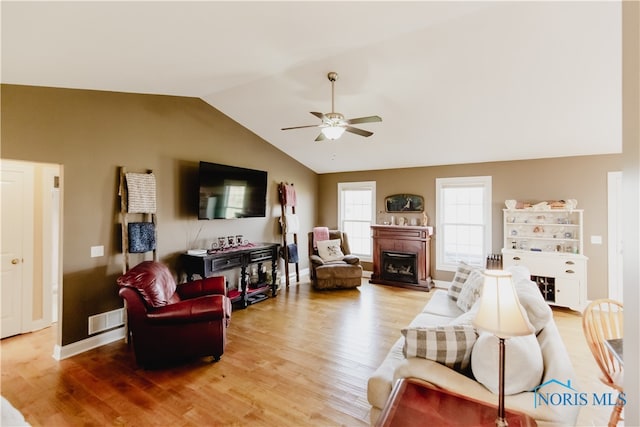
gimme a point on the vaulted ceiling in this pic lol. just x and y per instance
(454, 82)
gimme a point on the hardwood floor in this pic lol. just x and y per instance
(301, 359)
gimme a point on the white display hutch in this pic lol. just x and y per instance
(549, 242)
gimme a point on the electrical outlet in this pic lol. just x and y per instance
(596, 240)
(97, 251)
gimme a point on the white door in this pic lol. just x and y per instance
(15, 213)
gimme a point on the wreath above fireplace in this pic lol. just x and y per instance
(404, 203)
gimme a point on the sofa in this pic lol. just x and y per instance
(537, 363)
(332, 266)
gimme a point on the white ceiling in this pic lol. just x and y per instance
(454, 82)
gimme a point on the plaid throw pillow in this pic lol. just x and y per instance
(471, 291)
(449, 345)
(460, 277)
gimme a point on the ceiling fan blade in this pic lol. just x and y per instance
(369, 119)
(302, 127)
(357, 131)
(321, 137)
(321, 116)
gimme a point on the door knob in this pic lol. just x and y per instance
(15, 261)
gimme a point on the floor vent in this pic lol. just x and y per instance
(104, 321)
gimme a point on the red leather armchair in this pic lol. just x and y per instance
(169, 323)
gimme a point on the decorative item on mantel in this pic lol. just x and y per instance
(404, 203)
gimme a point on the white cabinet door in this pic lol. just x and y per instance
(568, 293)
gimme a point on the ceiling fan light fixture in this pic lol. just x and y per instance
(333, 132)
(334, 124)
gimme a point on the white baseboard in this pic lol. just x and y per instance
(441, 284)
(65, 351)
(292, 276)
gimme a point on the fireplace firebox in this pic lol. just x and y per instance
(400, 267)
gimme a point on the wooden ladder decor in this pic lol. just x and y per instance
(138, 214)
(286, 193)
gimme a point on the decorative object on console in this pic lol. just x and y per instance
(404, 203)
(501, 314)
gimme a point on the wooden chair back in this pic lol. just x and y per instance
(603, 320)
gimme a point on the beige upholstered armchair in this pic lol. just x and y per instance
(331, 264)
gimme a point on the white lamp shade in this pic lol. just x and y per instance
(333, 132)
(500, 311)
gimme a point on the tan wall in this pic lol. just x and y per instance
(92, 134)
(583, 178)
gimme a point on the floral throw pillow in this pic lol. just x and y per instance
(471, 291)
(329, 250)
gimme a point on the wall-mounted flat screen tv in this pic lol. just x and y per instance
(231, 192)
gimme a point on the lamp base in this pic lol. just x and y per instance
(501, 421)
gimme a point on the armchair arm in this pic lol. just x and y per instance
(208, 307)
(316, 260)
(351, 259)
(207, 286)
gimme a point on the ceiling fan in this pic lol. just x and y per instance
(334, 124)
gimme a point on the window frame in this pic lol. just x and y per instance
(472, 181)
(358, 185)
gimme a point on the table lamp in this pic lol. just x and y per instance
(501, 314)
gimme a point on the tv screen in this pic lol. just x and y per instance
(231, 192)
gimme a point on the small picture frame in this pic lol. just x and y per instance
(404, 203)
